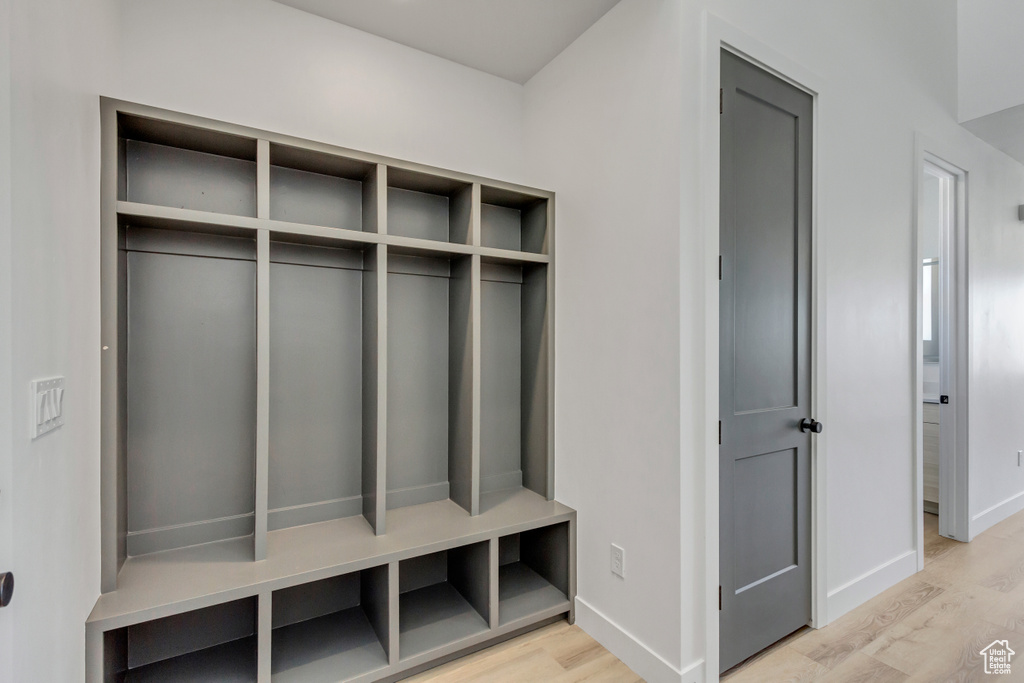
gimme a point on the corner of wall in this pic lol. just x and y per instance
(648, 664)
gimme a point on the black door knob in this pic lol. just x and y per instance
(808, 424)
(6, 588)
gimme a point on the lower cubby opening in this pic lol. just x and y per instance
(330, 630)
(213, 644)
(443, 598)
(533, 572)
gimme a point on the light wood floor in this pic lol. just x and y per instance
(559, 652)
(929, 627)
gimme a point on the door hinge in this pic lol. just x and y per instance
(721, 96)
(719, 598)
(719, 432)
(719, 268)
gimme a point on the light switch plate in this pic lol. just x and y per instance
(47, 405)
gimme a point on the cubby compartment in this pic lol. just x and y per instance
(331, 630)
(321, 296)
(513, 220)
(180, 166)
(533, 572)
(210, 645)
(187, 330)
(443, 598)
(315, 188)
(429, 379)
(514, 381)
(428, 207)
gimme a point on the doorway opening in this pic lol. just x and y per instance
(940, 391)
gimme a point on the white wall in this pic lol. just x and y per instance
(613, 126)
(996, 432)
(603, 128)
(60, 55)
(990, 54)
(258, 63)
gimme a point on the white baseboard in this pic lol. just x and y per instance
(648, 664)
(997, 513)
(871, 583)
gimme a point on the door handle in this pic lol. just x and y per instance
(812, 425)
(6, 588)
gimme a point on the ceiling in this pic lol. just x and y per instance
(513, 39)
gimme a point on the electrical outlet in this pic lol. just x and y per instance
(618, 561)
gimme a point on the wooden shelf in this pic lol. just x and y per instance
(334, 647)
(433, 617)
(189, 220)
(523, 592)
(228, 663)
(158, 584)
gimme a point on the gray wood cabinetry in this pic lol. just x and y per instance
(327, 444)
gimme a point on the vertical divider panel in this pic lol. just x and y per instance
(475, 238)
(264, 627)
(372, 194)
(375, 596)
(263, 179)
(262, 391)
(465, 207)
(475, 323)
(374, 466)
(381, 412)
(380, 201)
(549, 390)
(469, 572)
(393, 616)
(493, 568)
(113, 515)
(538, 472)
(572, 570)
(464, 383)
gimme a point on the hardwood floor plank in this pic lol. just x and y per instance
(833, 646)
(962, 661)
(862, 668)
(558, 652)
(605, 668)
(782, 664)
(927, 635)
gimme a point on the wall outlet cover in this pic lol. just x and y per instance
(47, 405)
(618, 561)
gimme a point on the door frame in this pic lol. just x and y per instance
(953, 453)
(717, 35)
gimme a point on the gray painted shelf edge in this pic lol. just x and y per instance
(175, 581)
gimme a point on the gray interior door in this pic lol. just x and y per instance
(764, 458)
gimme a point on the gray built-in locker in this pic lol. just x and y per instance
(327, 376)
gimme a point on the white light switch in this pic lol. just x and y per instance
(47, 405)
